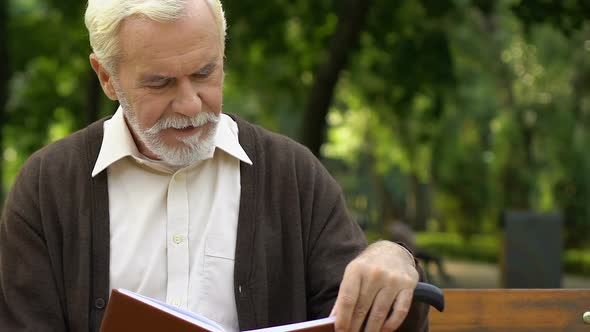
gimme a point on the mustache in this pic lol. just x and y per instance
(180, 122)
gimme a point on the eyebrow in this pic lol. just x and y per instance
(209, 67)
(156, 78)
(153, 78)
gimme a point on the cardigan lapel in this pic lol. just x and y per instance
(100, 228)
(244, 255)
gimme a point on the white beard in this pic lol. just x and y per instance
(192, 149)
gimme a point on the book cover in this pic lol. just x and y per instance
(129, 311)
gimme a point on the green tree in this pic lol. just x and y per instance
(4, 81)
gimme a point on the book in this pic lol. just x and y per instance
(129, 311)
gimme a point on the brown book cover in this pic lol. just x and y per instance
(129, 311)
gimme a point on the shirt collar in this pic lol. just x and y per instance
(117, 142)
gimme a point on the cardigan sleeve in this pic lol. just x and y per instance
(301, 218)
(29, 298)
(336, 240)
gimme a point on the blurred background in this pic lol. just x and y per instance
(449, 120)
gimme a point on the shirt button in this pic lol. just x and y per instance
(99, 303)
(176, 303)
(178, 239)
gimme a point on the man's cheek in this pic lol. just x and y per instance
(149, 113)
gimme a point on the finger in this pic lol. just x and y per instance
(365, 300)
(380, 309)
(346, 300)
(401, 307)
(333, 312)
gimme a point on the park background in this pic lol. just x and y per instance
(442, 114)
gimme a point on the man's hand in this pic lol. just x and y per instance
(382, 277)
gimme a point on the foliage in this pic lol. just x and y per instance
(486, 248)
(577, 261)
(448, 113)
(504, 127)
(483, 248)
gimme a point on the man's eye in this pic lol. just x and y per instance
(159, 84)
(203, 73)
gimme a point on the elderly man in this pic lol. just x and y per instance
(178, 201)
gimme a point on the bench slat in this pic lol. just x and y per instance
(491, 310)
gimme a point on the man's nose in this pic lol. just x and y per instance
(187, 101)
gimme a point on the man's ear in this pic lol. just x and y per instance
(104, 77)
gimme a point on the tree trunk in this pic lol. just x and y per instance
(4, 83)
(423, 203)
(516, 186)
(384, 201)
(345, 39)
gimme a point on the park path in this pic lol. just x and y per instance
(466, 274)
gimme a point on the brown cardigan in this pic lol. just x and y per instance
(295, 237)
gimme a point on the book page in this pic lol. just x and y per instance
(178, 312)
(298, 326)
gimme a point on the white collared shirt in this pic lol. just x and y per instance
(173, 232)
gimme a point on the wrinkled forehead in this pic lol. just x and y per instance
(185, 42)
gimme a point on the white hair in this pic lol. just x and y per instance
(103, 19)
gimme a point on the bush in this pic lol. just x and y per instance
(486, 248)
(577, 261)
(482, 248)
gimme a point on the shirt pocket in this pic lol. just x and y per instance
(218, 290)
(218, 247)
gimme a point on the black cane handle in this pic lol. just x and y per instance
(430, 294)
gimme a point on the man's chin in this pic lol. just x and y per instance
(181, 150)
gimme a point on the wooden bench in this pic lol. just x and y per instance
(514, 310)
